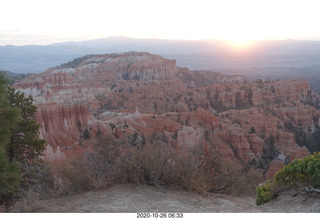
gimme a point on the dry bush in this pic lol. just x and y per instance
(38, 183)
(158, 163)
(233, 178)
(254, 178)
(149, 165)
(39, 178)
(155, 163)
(30, 202)
(75, 177)
(196, 170)
(95, 170)
(103, 163)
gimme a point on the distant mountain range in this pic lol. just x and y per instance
(261, 59)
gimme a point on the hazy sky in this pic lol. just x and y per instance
(47, 21)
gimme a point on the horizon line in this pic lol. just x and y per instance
(154, 38)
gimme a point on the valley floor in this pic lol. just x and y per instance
(140, 198)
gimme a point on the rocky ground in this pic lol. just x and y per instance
(140, 198)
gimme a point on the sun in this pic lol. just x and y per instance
(240, 42)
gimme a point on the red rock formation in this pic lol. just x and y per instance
(237, 140)
(256, 144)
(61, 124)
(96, 91)
(189, 137)
(304, 116)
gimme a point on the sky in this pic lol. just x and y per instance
(40, 22)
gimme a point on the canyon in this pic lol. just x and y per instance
(137, 94)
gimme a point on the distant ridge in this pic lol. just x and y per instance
(262, 59)
(14, 76)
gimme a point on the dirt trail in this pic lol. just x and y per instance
(140, 198)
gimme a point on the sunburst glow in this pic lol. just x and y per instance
(240, 42)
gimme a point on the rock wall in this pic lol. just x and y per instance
(61, 124)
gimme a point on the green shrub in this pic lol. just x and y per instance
(301, 172)
(265, 193)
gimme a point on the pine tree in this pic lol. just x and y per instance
(86, 134)
(8, 115)
(10, 177)
(252, 130)
(9, 172)
(25, 144)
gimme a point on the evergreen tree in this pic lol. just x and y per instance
(269, 150)
(86, 134)
(252, 130)
(25, 144)
(113, 126)
(9, 172)
(271, 141)
(10, 177)
(8, 115)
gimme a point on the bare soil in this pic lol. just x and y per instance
(141, 198)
